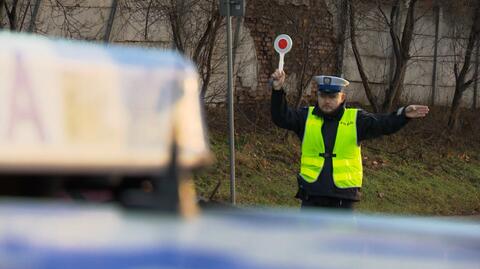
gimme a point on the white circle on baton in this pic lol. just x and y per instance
(283, 44)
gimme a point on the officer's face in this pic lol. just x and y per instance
(329, 102)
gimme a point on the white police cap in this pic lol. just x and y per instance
(330, 84)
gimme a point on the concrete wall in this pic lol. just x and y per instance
(256, 58)
(375, 46)
(88, 19)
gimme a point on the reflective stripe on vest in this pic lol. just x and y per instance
(347, 160)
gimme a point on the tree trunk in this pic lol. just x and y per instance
(176, 23)
(12, 14)
(396, 87)
(402, 55)
(2, 7)
(366, 85)
(342, 29)
(206, 63)
(455, 110)
(147, 18)
(209, 31)
(461, 84)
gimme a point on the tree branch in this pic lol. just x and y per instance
(391, 25)
(33, 18)
(455, 70)
(12, 14)
(209, 54)
(358, 59)
(474, 33)
(408, 30)
(210, 25)
(387, 21)
(147, 17)
(176, 25)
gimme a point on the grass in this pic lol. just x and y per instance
(420, 170)
(448, 186)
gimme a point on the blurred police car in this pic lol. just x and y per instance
(81, 116)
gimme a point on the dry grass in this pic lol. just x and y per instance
(423, 169)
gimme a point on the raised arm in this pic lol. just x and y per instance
(283, 116)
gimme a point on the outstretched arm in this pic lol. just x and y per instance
(374, 125)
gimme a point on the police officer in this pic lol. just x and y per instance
(331, 163)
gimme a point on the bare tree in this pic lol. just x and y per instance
(401, 48)
(17, 12)
(81, 19)
(461, 70)
(342, 23)
(22, 16)
(194, 29)
(2, 8)
(204, 47)
(401, 40)
(11, 11)
(358, 59)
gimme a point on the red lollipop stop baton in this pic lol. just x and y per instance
(283, 44)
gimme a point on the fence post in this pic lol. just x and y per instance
(476, 78)
(111, 17)
(229, 8)
(436, 14)
(342, 18)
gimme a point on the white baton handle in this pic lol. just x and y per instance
(281, 62)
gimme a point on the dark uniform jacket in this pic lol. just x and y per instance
(368, 126)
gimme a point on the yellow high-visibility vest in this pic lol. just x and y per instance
(346, 157)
